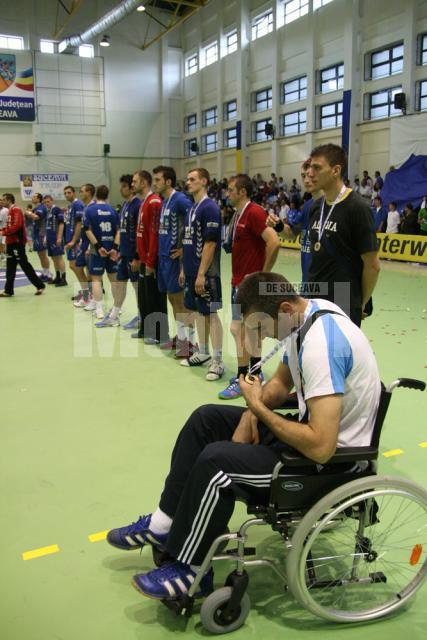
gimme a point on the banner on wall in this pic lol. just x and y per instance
(45, 183)
(394, 246)
(16, 87)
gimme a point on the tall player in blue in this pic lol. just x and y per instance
(38, 217)
(201, 273)
(55, 239)
(101, 223)
(73, 225)
(85, 300)
(171, 230)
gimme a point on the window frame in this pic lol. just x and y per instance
(255, 24)
(191, 69)
(388, 104)
(190, 126)
(187, 144)
(227, 138)
(256, 100)
(299, 123)
(318, 4)
(336, 79)
(44, 41)
(302, 10)
(255, 130)
(88, 48)
(229, 48)
(420, 95)
(214, 118)
(391, 60)
(422, 49)
(226, 111)
(299, 90)
(337, 115)
(212, 45)
(205, 142)
(10, 38)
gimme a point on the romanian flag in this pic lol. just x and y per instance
(25, 80)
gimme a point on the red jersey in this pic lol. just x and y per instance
(15, 227)
(248, 249)
(147, 230)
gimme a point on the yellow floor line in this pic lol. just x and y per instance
(97, 537)
(393, 452)
(423, 445)
(38, 553)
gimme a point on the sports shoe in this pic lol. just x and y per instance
(150, 341)
(233, 390)
(216, 370)
(108, 321)
(185, 349)
(44, 277)
(100, 314)
(62, 282)
(77, 297)
(172, 581)
(81, 303)
(137, 335)
(3, 294)
(133, 324)
(39, 291)
(136, 535)
(168, 345)
(91, 305)
(196, 360)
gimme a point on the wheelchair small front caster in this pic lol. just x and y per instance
(216, 617)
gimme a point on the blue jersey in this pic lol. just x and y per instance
(128, 223)
(54, 218)
(39, 226)
(202, 224)
(73, 215)
(380, 218)
(84, 242)
(103, 221)
(172, 220)
(294, 217)
(305, 239)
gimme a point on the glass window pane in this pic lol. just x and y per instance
(379, 98)
(328, 109)
(379, 112)
(291, 97)
(291, 118)
(328, 122)
(292, 86)
(381, 71)
(303, 82)
(327, 74)
(381, 56)
(398, 51)
(423, 104)
(397, 66)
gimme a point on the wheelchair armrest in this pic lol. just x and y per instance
(344, 454)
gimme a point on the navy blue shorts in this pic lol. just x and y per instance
(82, 260)
(168, 274)
(209, 302)
(38, 244)
(53, 250)
(98, 264)
(236, 313)
(71, 253)
(124, 271)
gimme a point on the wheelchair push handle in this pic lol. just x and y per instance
(408, 383)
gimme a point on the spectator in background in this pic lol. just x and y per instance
(356, 185)
(379, 182)
(366, 190)
(393, 219)
(380, 215)
(409, 222)
(422, 217)
(4, 212)
(368, 179)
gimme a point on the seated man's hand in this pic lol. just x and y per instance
(252, 393)
(247, 429)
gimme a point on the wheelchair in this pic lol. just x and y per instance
(355, 542)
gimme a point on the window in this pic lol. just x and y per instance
(422, 59)
(422, 95)
(11, 42)
(231, 42)
(190, 123)
(210, 142)
(47, 46)
(320, 3)
(386, 62)
(190, 147)
(262, 100)
(230, 110)
(210, 54)
(295, 9)
(381, 103)
(294, 123)
(263, 24)
(230, 138)
(294, 90)
(331, 115)
(332, 78)
(191, 65)
(210, 117)
(259, 130)
(86, 51)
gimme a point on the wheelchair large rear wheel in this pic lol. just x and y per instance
(372, 562)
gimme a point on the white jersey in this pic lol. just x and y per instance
(3, 217)
(336, 358)
(393, 221)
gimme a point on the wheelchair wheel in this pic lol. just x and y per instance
(373, 562)
(212, 612)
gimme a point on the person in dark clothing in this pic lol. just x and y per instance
(16, 239)
(409, 223)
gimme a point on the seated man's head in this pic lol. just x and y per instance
(270, 304)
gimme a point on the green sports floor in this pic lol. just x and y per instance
(88, 420)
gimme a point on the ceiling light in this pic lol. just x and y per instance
(105, 42)
(140, 8)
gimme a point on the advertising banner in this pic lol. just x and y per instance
(45, 183)
(16, 87)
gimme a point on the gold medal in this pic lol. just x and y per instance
(250, 378)
(317, 246)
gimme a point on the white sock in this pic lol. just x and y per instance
(180, 330)
(114, 312)
(46, 272)
(191, 334)
(160, 522)
(99, 304)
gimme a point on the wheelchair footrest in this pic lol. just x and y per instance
(179, 606)
(249, 551)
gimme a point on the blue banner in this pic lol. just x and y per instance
(19, 109)
(346, 106)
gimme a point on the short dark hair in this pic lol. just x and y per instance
(126, 178)
(102, 192)
(409, 205)
(145, 175)
(394, 204)
(89, 187)
(243, 181)
(263, 291)
(10, 197)
(168, 173)
(378, 198)
(38, 196)
(70, 187)
(202, 173)
(334, 154)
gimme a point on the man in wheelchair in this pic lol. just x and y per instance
(225, 452)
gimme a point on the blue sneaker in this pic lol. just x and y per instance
(108, 321)
(136, 535)
(171, 581)
(133, 324)
(233, 390)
